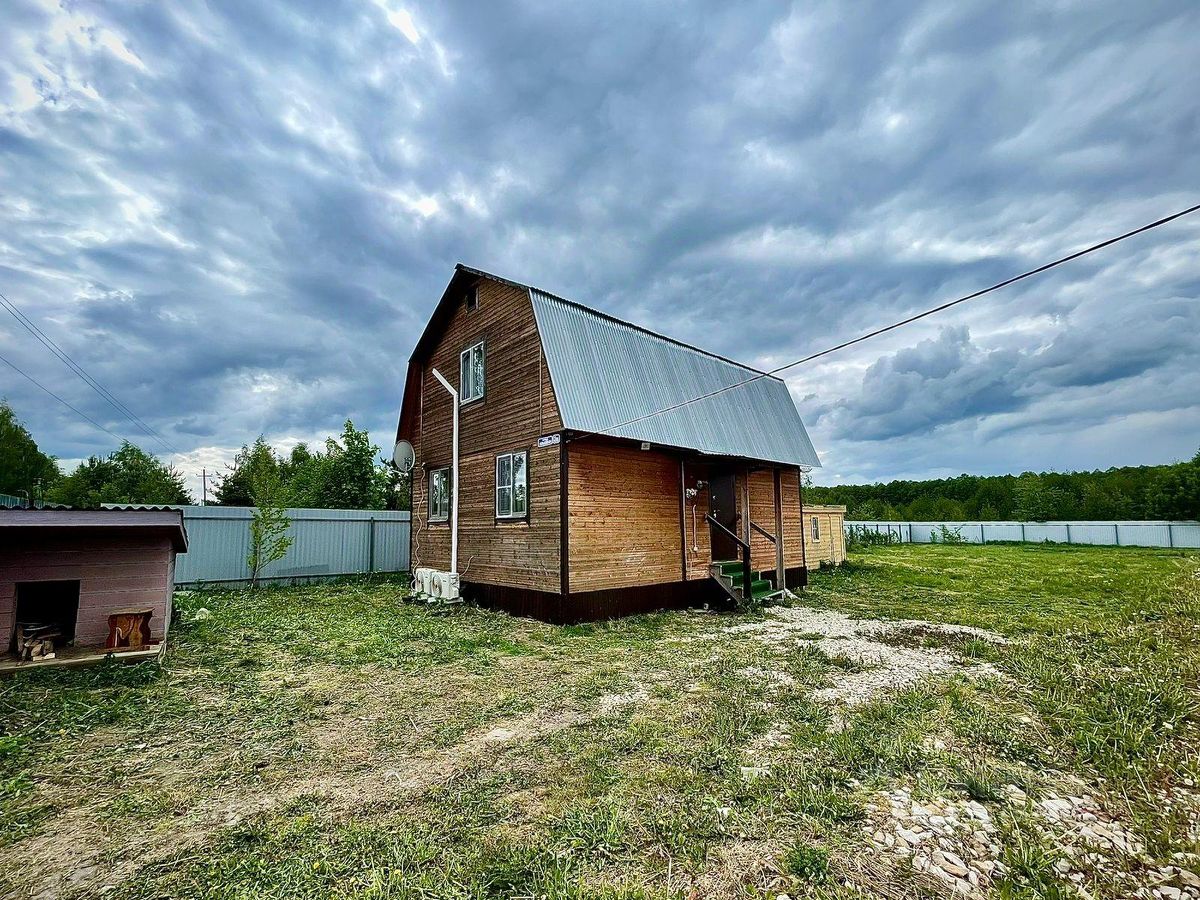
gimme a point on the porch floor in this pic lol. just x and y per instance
(77, 656)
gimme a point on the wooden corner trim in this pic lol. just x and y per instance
(564, 543)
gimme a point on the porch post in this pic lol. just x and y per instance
(746, 504)
(780, 569)
(803, 527)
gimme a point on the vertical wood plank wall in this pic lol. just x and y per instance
(518, 407)
(762, 513)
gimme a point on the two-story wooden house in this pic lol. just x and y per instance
(590, 486)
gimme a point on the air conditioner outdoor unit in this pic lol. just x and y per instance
(423, 581)
(445, 585)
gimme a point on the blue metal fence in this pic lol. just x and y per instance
(1120, 534)
(325, 543)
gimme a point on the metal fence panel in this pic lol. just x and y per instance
(325, 542)
(1125, 534)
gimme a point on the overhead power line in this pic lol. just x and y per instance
(87, 379)
(921, 315)
(73, 409)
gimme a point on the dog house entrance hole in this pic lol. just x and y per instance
(48, 610)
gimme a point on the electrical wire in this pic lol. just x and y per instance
(87, 379)
(73, 409)
(921, 315)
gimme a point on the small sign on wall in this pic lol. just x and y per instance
(549, 440)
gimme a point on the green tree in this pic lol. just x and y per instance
(22, 464)
(1176, 495)
(1037, 501)
(399, 488)
(347, 475)
(253, 464)
(269, 525)
(353, 479)
(128, 475)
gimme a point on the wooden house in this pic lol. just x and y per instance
(589, 485)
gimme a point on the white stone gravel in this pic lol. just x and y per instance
(953, 840)
(884, 665)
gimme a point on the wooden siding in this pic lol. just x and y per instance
(831, 548)
(699, 539)
(623, 515)
(623, 512)
(762, 513)
(517, 408)
(113, 571)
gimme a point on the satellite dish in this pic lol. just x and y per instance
(404, 456)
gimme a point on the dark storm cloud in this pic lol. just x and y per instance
(238, 216)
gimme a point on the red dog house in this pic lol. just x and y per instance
(76, 584)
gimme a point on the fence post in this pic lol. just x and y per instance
(371, 552)
(1170, 534)
(1117, 534)
(1068, 532)
(981, 540)
(1022, 532)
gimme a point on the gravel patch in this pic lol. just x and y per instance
(954, 840)
(881, 665)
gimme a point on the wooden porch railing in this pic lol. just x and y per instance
(747, 577)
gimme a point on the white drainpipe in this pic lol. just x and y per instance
(453, 477)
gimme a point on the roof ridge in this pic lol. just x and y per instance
(596, 312)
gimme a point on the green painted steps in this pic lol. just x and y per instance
(759, 587)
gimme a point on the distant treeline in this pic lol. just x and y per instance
(1130, 492)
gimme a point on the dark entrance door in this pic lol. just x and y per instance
(723, 502)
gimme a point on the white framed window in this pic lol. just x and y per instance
(470, 374)
(439, 495)
(512, 488)
(816, 529)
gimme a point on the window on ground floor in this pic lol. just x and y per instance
(512, 500)
(439, 495)
(816, 528)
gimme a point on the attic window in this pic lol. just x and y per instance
(472, 299)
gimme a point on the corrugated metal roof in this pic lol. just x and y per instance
(157, 518)
(606, 372)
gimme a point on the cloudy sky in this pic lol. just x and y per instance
(237, 216)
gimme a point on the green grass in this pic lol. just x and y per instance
(337, 741)
(1010, 588)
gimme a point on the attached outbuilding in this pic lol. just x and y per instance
(78, 584)
(592, 481)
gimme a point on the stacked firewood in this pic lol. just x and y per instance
(36, 641)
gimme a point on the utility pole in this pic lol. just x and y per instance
(204, 487)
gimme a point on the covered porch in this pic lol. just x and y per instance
(743, 525)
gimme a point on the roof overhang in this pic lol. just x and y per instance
(90, 521)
